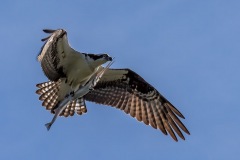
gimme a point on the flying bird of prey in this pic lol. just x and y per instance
(68, 70)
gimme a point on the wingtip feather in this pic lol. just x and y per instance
(48, 30)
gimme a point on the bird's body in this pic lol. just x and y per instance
(124, 89)
(62, 63)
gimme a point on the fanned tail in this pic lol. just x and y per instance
(48, 92)
(76, 106)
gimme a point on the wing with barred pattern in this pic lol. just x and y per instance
(127, 91)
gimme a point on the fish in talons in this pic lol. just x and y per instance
(83, 90)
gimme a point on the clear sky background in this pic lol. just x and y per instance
(189, 50)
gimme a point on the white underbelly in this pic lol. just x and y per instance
(74, 80)
(79, 77)
(77, 70)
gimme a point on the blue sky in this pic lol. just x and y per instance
(188, 50)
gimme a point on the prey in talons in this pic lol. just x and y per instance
(81, 92)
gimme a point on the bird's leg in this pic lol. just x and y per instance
(72, 93)
(91, 88)
(67, 95)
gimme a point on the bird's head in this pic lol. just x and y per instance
(98, 59)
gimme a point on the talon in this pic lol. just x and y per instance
(72, 93)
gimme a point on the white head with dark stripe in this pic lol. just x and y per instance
(96, 60)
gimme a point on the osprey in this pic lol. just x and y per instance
(68, 70)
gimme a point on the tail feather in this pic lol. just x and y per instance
(80, 106)
(48, 92)
(51, 101)
(46, 86)
(77, 106)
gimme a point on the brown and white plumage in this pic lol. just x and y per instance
(127, 91)
(120, 88)
(67, 69)
(48, 92)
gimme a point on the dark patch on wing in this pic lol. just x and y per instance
(132, 92)
(131, 81)
(137, 82)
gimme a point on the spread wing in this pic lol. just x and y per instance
(127, 91)
(54, 53)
